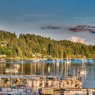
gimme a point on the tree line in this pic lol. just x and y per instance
(35, 46)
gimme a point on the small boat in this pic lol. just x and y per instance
(2, 60)
(36, 60)
(83, 72)
(8, 71)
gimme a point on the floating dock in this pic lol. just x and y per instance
(52, 91)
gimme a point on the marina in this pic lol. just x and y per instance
(58, 76)
(47, 47)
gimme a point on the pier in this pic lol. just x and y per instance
(71, 91)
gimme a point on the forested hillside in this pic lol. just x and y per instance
(35, 46)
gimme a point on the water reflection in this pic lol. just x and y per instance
(55, 68)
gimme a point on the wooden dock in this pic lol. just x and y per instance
(52, 91)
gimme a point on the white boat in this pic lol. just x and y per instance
(2, 60)
(36, 60)
(83, 70)
(8, 71)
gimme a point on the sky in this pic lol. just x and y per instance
(28, 16)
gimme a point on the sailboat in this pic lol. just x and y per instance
(22, 67)
(68, 61)
(67, 64)
(83, 70)
(70, 81)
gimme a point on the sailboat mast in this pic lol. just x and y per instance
(43, 68)
(57, 64)
(65, 69)
(22, 66)
(11, 74)
(31, 68)
(35, 68)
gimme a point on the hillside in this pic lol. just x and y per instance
(30, 46)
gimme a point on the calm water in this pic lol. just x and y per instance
(54, 68)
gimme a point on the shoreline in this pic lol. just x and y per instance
(10, 58)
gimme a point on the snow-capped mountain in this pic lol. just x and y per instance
(77, 40)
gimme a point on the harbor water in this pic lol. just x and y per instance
(53, 68)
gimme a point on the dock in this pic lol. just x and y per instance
(71, 91)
